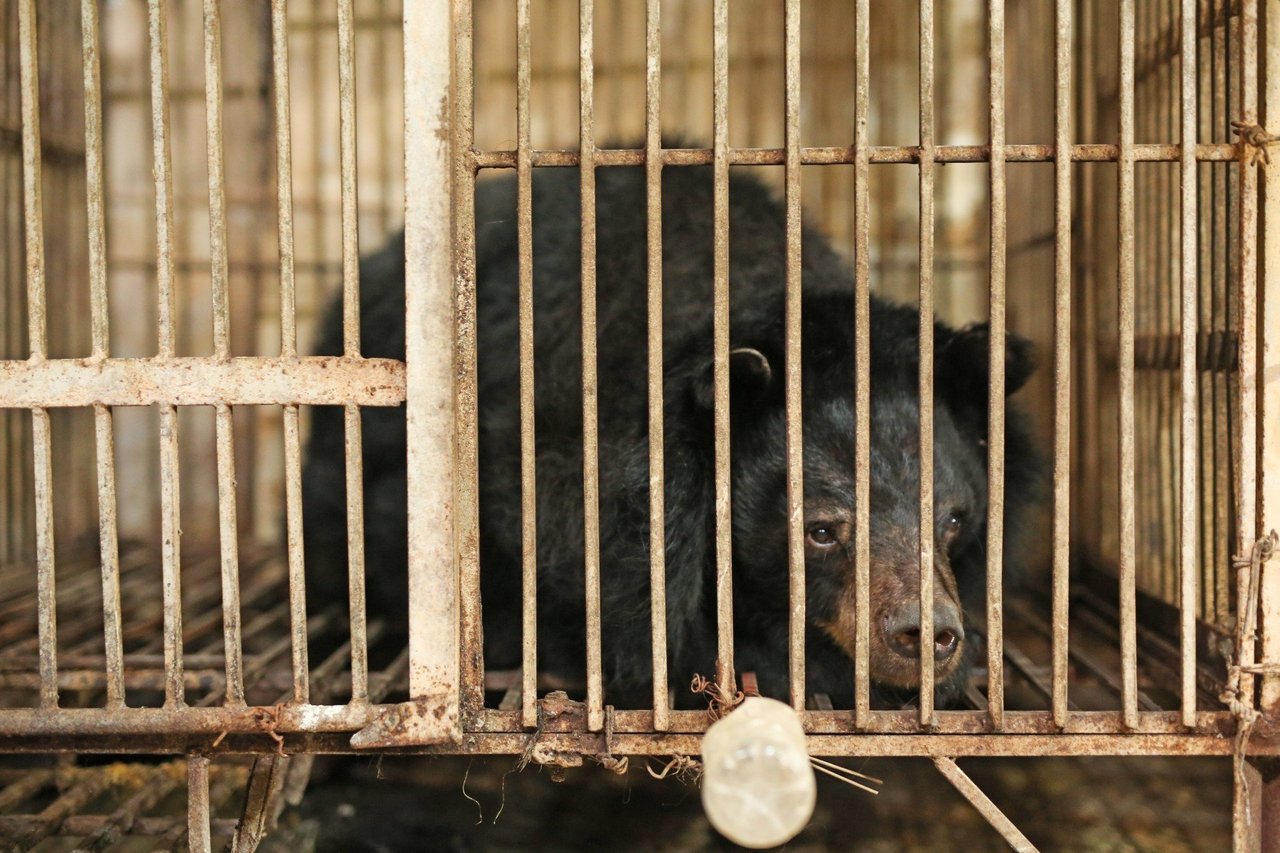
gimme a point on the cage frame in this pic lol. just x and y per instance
(447, 712)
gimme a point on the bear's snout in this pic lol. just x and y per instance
(902, 631)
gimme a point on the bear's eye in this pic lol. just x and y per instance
(953, 524)
(822, 535)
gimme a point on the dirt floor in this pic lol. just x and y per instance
(1094, 804)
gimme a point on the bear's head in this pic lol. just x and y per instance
(956, 526)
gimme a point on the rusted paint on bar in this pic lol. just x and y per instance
(347, 157)
(284, 177)
(996, 386)
(198, 826)
(1092, 152)
(289, 350)
(1061, 358)
(467, 489)
(199, 381)
(229, 546)
(353, 445)
(20, 723)
(224, 434)
(351, 349)
(795, 431)
(970, 791)
(528, 446)
(590, 458)
(725, 673)
(294, 543)
(104, 439)
(862, 369)
(33, 220)
(170, 517)
(925, 446)
(1269, 354)
(1189, 487)
(1246, 800)
(171, 555)
(1128, 582)
(657, 458)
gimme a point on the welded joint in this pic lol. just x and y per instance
(426, 721)
(980, 801)
(1254, 141)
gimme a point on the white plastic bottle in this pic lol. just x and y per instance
(758, 789)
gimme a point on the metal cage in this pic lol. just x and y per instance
(160, 269)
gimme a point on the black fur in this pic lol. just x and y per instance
(757, 251)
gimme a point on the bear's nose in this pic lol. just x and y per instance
(902, 631)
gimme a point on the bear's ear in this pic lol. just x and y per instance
(962, 366)
(750, 376)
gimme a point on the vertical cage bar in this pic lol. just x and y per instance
(42, 440)
(795, 431)
(862, 367)
(657, 463)
(199, 835)
(1190, 426)
(434, 593)
(925, 504)
(1061, 356)
(351, 349)
(463, 333)
(170, 518)
(224, 434)
(289, 349)
(104, 439)
(1247, 801)
(725, 674)
(1269, 343)
(590, 459)
(995, 430)
(1128, 582)
(528, 448)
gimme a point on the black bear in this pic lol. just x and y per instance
(759, 529)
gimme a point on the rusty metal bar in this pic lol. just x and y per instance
(1269, 419)
(289, 349)
(925, 503)
(1128, 582)
(1048, 744)
(1246, 780)
(466, 492)
(657, 458)
(970, 791)
(170, 517)
(42, 441)
(725, 673)
(351, 349)
(1189, 485)
(28, 724)
(1093, 152)
(996, 386)
(198, 827)
(355, 553)
(862, 368)
(528, 446)
(104, 443)
(200, 381)
(224, 433)
(795, 430)
(1062, 359)
(590, 456)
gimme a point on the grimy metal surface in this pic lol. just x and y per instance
(444, 663)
